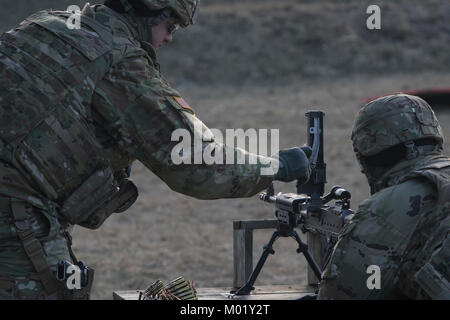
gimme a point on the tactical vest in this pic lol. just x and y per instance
(49, 75)
(427, 257)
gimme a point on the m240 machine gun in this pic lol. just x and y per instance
(307, 209)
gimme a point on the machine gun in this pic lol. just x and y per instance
(307, 209)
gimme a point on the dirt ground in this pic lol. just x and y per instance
(261, 64)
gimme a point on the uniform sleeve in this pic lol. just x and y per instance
(366, 259)
(141, 111)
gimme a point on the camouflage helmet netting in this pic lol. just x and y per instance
(392, 120)
(186, 10)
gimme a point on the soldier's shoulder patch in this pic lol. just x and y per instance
(183, 104)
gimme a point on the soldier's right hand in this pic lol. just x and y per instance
(293, 164)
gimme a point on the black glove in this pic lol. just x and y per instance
(294, 164)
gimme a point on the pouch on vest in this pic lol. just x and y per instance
(97, 198)
(122, 199)
(433, 276)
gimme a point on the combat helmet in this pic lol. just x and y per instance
(392, 128)
(185, 10)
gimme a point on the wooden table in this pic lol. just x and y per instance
(275, 292)
(243, 267)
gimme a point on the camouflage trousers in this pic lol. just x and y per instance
(18, 277)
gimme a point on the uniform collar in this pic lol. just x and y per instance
(402, 170)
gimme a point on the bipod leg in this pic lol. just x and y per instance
(245, 290)
(303, 248)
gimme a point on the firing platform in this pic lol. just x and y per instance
(274, 292)
(243, 267)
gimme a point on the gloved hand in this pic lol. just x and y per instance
(294, 164)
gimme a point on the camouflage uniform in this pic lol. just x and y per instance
(77, 107)
(403, 227)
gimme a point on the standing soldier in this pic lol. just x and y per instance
(397, 245)
(78, 106)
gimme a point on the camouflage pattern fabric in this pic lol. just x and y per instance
(185, 10)
(78, 105)
(401, 229)
(391, 120)
(18, 279)
(139, 111)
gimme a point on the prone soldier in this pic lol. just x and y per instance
(399, 234)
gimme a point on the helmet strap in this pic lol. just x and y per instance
(145, 29)
(411, 150)
(127, 6)
(144, 24)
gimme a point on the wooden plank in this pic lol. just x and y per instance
(243, 247)
(255, 224)
(315, 248)
(276, 292)
(243, 256)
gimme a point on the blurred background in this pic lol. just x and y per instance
(262, 64)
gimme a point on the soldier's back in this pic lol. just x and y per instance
(369, 259)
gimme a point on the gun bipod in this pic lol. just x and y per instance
(282, 231)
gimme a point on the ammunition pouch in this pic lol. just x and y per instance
(97, 198)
